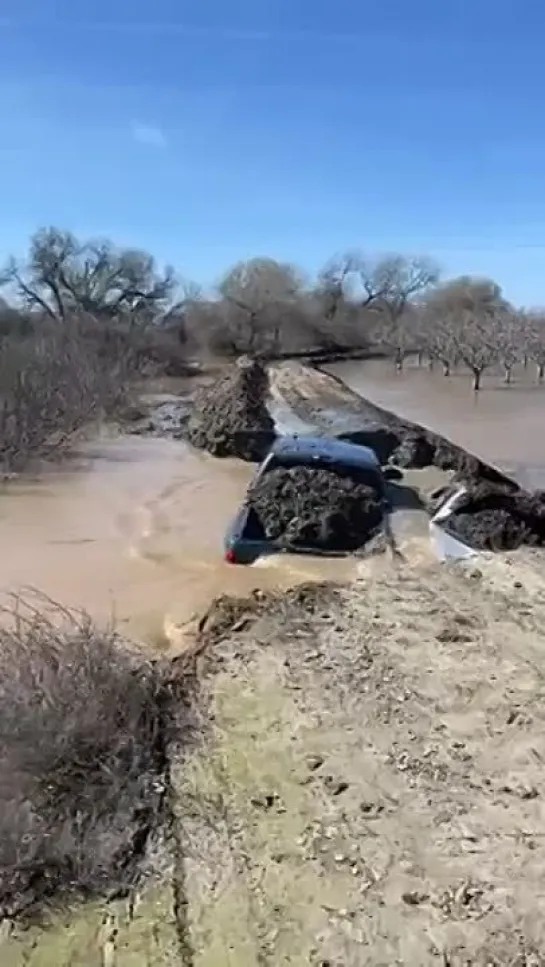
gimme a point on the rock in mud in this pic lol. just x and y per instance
(230, 418)
(321, 508)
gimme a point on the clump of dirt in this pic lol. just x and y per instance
(230, 418)
(327, 509)
(228, 615)
(493, 517)
(414, 451)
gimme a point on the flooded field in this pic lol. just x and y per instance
(502, 424)
(132, 529)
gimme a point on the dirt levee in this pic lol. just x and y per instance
(322, 508)
(371, 787)
(230, 418)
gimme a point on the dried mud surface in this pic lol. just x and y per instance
(367, 788)
(371, 790)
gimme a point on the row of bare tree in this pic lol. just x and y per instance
(393, 305)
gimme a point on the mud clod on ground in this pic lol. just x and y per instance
(322, 508)
(414, 451)
(230, 418)
(491, 517)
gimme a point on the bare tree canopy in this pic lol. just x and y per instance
(62, 275)
(357, 304)
(464, 319)
(257, 297)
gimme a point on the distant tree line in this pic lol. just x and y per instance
(393, 306)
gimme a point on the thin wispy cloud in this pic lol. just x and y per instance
(148, 134)
(224, 32)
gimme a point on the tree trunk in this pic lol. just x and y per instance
(431, 364)
(507, 375)
(420, 357)
(525, 360)
(540, 372)
(446, 368)
(399, 361)
(477, 373)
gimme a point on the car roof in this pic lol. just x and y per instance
(307, 448)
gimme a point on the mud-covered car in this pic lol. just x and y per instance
(245, 539)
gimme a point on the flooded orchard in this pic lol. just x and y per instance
(501, 424)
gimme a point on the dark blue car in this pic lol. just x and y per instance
(245, 539)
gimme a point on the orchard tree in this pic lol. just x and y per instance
(471, 312)
(535, 340)
(438, 334)
(389, 286)
(510, 340)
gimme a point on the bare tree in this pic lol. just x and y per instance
(468, 314)
(535, 340)
(510, 340)
(257, 297)
(389, 285)
(335, 304)
(438, 334)
(63, 275)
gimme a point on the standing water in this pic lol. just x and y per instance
(501, 424)
(131, 529)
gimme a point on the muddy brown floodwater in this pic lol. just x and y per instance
(502, 424)
(132, 528)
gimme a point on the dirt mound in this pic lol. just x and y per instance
(415, 451)
(322, 508)
(230, 418)
(493, 517)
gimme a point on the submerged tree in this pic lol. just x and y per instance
(469, 314)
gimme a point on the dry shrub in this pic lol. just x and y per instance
(51, 385)
(84, 724)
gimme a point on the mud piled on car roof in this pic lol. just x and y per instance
(330, 509)
(230, 418)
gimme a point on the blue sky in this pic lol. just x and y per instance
(208, 132)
